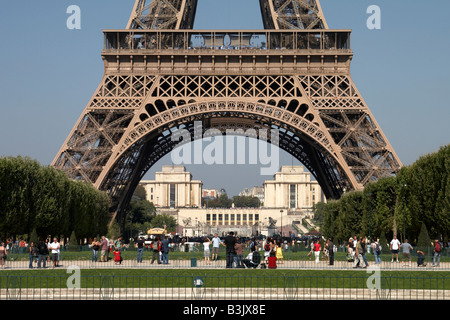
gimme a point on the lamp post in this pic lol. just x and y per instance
(281, 216)
(370, 214)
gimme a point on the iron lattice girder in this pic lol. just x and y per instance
(180, 14)
(163, 14)
(162, 142)
(157, 80)
(292, 14)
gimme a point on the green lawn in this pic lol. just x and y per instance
(225, 278)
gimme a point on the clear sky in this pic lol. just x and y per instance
(48, 73)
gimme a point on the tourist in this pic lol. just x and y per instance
(406, 247)
(358, 255)
(3, 254)
(317, 249)
(165, 250)
(33, 254)
(42, 253)
(140, 249)
(104, 247)
(421, 259)
(267, 250)
(55, 246)
(95, 245)
(364, 242)
(239, 248)
(216, 244)
(351, 249)
(376, 247)
(279, 252)
(394, 247)
(206, 250)
(437, 253)
(117, 256)
(229, 243)
(330, 247)
(156, 249)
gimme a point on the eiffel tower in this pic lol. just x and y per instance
(162, 76)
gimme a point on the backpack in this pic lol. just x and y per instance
(438, 247)
(378, 249)
(267, 247)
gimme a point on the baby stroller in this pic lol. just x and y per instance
(350, 257)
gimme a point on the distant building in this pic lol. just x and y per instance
(212, 193)
(173, 187)
(257, 192)
(292, 188)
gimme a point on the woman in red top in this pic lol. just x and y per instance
(317, 250)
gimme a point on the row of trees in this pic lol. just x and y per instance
(44, 201)
(141, 216)
(412, 205)
(224, 202)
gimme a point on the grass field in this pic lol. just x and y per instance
(226, 278)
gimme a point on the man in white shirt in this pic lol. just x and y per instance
(54, 246)
(394, 247)
(216, 244)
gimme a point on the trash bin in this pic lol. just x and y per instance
(193, 262)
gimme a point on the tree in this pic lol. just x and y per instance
(74, 246)
(246, 202)
(221, 202)
(424, 240)
(34, 238)
(162, 220)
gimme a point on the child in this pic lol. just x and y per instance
(279, 252)
(117, 257)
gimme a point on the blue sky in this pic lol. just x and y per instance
(48, 73)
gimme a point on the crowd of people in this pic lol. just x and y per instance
(48, 251)
(357, 248)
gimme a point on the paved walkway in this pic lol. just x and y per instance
(221, 264)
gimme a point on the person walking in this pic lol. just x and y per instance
(394, 247)
(140, 249)
(215, 250)
(376, 248)
(317, 248)
(437, 253)
(229, 243)
(358, 255)
(364, 250)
